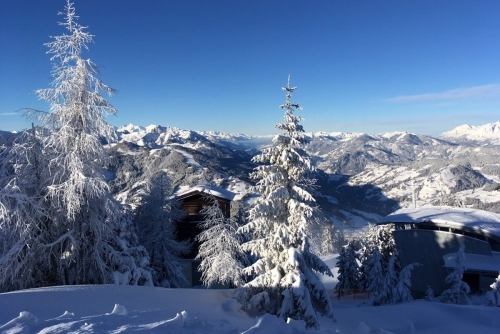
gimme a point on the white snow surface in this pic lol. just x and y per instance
(133, 309)
(483, 132)
(454, 216)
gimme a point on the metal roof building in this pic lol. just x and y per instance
(432, 235)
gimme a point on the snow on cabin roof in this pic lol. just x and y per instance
(459, 217)
(209, 189)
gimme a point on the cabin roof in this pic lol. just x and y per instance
(446, 215)
(207, 189)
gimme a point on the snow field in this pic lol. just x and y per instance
(132, 309)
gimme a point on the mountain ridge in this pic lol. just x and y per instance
(358, 171)
(360, 177)
(489, 131)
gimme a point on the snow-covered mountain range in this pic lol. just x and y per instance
(361, 177)
(483, 132)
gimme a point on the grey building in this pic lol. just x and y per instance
(431, 236)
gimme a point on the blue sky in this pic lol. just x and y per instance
(421, 66)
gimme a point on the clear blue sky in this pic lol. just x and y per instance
(423, 66)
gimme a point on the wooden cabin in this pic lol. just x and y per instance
(193, 201)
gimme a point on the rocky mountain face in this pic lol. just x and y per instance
(360, 177)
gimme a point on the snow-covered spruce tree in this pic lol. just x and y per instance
(494, 294)
(396, 283)
(348, 272)
(222, 258)
(155, 219)
(458, 291)
(366, 262)
(381, 237)
(24, 226)
(378, 237)
(401, 292)
(89, 231)
(386, 295)
(375, 273)
(283, 280)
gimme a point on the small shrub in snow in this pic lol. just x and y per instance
(429, 293)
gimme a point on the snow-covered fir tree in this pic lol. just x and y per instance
(386, 294)
(24, 226)
(494, 294)
(380, 270)
(86, 235)
(381, 237)
(378, 237)
(155, 218)
(458, 291)
(375, 274)
(348, 272)
(283, 280)
(401, 292)
(366, 254)
(222, 258)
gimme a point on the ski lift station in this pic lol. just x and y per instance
(431, 236)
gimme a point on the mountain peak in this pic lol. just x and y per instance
(481, 132)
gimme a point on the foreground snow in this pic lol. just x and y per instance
(127, 309)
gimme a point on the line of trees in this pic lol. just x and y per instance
(372, 264)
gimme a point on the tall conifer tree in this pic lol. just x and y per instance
(86, 237)
(156, 217)
(283, 277)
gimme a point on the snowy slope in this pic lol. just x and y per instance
(131, 309)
